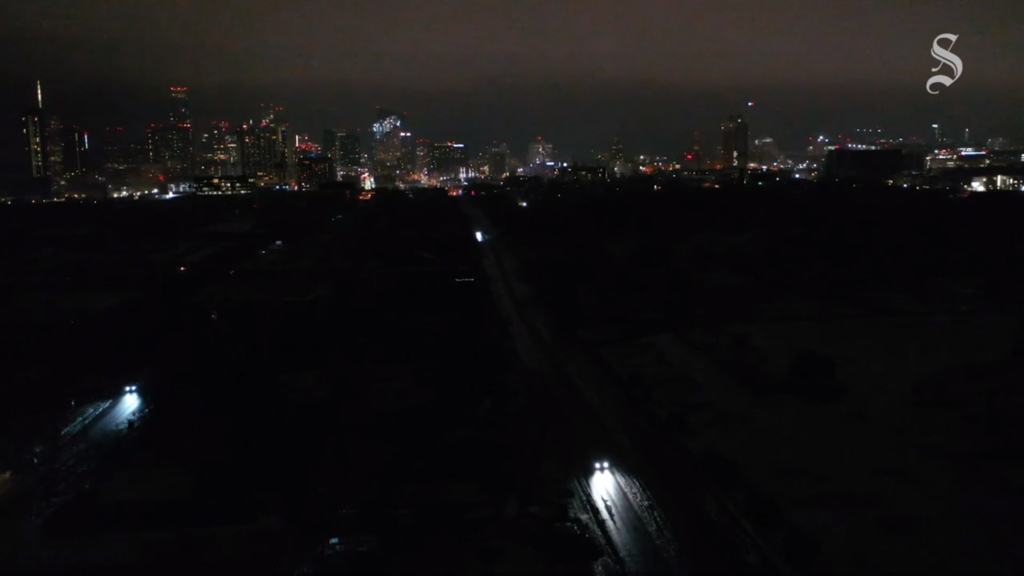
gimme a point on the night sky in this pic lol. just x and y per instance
(576, 72)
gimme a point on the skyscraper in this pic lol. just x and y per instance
(350, 152)
(329, 144)
(44, 145)
(35, 133)
(214, 151)
(387, 142)
(496, 159)
(766, 151)
(446, 159)
(735, 143)
(617, 158)
(539, 154)
(266, 150)
(179, 157)
(422, 163)
(407, 156)
(329, 147)
(75, 150)
(617, 154)
(180, 113)
(117, 154)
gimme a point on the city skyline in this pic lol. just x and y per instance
(514, 73)
(178, 155)
(792, 139)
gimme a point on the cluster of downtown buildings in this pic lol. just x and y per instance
(177, 157)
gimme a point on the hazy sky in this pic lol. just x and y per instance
(577, 72)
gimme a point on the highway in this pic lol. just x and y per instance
(58, 480)
(117, 418)
(705, 537)
(623, 507)
(612, 501)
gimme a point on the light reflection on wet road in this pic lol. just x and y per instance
(116, 418)
(74, 462)
(630, 522)
(621, 511)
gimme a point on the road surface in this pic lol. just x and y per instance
(707, 535)
(613, 501)
(116, 419)
(74, 463)
(627, 514)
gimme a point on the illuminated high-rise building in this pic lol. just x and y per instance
(421, 165)
(540, 157)
(245, 136)
(616, 160)
(735, 142)
(180, 112)
(75, 150)
(407, 157)
(329, 144)
(315, 170)
(179, 155)
(263, 152)
(447, 159)
(118, 156)
(765, 152)
(617, 153)
(350, 152)
(215, 151)
(266, 151)
(999, 143)
(44, 146)
(387, 142)
(540, 152)
(35, 139)
(496, 160)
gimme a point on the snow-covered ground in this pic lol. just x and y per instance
(885, 482)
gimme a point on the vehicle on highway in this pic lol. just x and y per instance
(601, 465)
(131, 388)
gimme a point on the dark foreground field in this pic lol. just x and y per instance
(343, 385)
(846, 366)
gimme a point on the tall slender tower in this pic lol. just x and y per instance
(735, 141)
(180, 154)
(44, 145)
